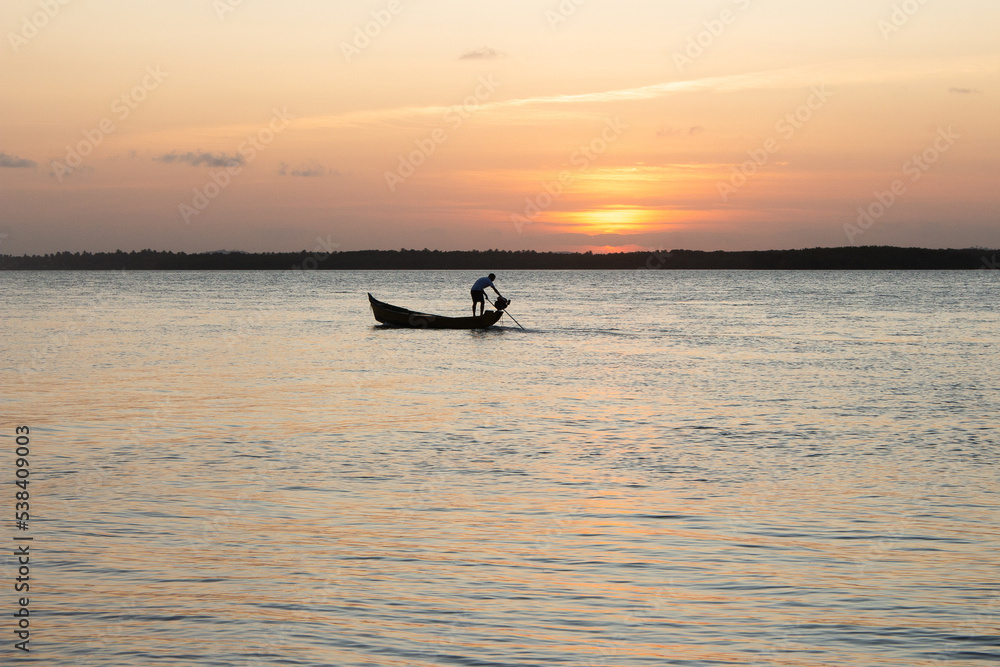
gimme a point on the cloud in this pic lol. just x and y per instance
(485, 53)
(544, 104)
(965, 91)
(14, 162)
(670, 131)
(73, 173)
(198, 158)
(310, 170)
(799, 77)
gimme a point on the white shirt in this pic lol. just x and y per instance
(483, 283)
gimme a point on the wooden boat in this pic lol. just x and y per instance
(401, 317)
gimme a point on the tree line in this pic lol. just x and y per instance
(821, 259)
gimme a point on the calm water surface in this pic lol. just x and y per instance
(666, 468)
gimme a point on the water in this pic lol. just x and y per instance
(704, 468)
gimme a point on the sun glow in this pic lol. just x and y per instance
(615, 220)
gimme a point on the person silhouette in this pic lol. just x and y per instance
(479, 292)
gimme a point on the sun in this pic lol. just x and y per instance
(612, 220)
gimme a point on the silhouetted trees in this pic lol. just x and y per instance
(848, 258)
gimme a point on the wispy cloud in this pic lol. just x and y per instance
(14, 162)
(485, 53)
(197, 158)
(965, 91)
(77, 171)
(835, 74)
(841, 73)
(309, 170)
(670, 131)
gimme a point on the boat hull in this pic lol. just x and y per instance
(401, 317)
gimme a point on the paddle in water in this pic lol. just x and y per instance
(504, 309)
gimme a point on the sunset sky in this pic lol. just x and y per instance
(262, 125)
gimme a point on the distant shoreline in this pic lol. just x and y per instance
(859, 258)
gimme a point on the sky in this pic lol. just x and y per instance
(550, 125)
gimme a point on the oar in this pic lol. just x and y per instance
(504, 312)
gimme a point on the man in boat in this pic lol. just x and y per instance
(479, 292)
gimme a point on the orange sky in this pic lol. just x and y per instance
(573, 125)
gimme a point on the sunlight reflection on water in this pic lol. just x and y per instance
(666, 468)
